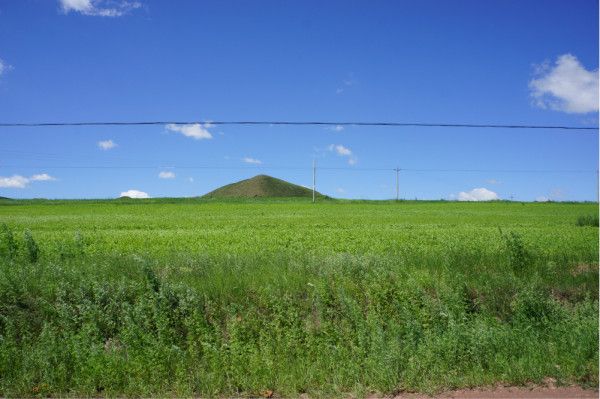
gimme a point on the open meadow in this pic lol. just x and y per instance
(193, 297)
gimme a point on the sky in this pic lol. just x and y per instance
(478, 62)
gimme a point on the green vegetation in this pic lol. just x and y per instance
(240, 297)
(261, 186)
(587, 220)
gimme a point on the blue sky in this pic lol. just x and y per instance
(504, 62)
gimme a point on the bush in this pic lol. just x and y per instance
(587, 220)
(9, 244)
(518, 256)
(33, 251)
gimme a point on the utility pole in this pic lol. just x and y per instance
(314, 178)
(397, 183)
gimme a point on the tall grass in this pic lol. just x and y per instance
(588, 220)
(240, 298)
(75, 322)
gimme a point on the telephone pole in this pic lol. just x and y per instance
(397, 183)
(314, 178)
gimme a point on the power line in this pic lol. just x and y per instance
(299, 123)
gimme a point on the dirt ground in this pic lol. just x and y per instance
(510, 393)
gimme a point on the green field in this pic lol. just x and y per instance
(191, 297)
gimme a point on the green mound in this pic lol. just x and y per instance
(261, 186)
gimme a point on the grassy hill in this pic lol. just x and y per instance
(261, 186)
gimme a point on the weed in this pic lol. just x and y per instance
(518, 256)
(279, 298)
(33, 251)
(10, 245)
(588, 220)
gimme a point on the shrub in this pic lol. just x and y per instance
(10, 245)
(587, 220)
(33, 251)
(518, 256)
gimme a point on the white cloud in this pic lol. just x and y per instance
(252, 160)
(4, 67)
(76, 5)
(340, 190)
(107, 144)
(567, 86)
(542, 199)
(100, 8)
(478, 194)
(42, 177)
(166, 175)
(492, 181)
(134, 194)
(340, 149)
(343, 152)
(196, 131)
(18, 181)
(15, 181)
(336, 128)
